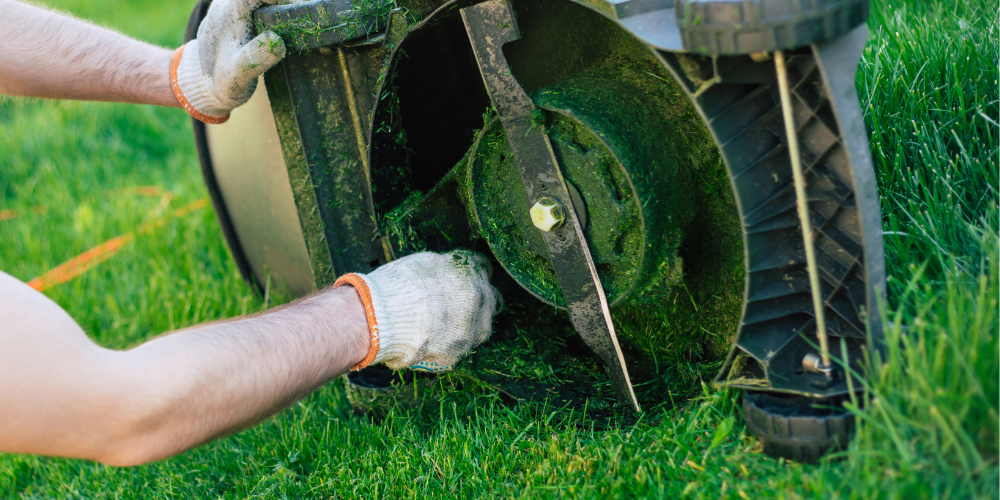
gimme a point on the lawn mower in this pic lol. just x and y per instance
(575, 143)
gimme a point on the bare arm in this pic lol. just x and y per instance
(44, 54)
(60, 394)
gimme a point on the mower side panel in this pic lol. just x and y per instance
(320, 104)
(737, 97)
(250, 171)
(838, 60)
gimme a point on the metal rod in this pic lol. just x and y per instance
(802, 202)
(352, 104)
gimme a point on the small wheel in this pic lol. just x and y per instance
(798, 428)
(735, 27)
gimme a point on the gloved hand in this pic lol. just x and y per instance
(426, 310)
(218, 70)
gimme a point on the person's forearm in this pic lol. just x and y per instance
(45, 54)
(215, 379)
(63, 395)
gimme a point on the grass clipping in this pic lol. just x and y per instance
(535, 354)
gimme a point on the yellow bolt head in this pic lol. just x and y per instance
(546, 214)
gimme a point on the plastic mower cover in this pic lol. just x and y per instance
(560, 137)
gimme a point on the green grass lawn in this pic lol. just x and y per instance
(928, 82)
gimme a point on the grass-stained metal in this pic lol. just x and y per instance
(422, 198)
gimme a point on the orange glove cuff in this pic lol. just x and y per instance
(175, 62)
(361, 287)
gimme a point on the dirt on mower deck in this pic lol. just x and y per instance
(682, 293)
(674, 333)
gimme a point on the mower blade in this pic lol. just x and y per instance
(490, 25)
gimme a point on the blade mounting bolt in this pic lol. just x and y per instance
(547, 214)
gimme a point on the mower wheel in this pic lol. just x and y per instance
(735, 27)
(797, 427)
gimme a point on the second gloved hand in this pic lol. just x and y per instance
(427, 310)
(218, 70)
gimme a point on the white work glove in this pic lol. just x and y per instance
(218, 70)
(427, 310)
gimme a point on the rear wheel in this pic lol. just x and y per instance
(797, 427)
